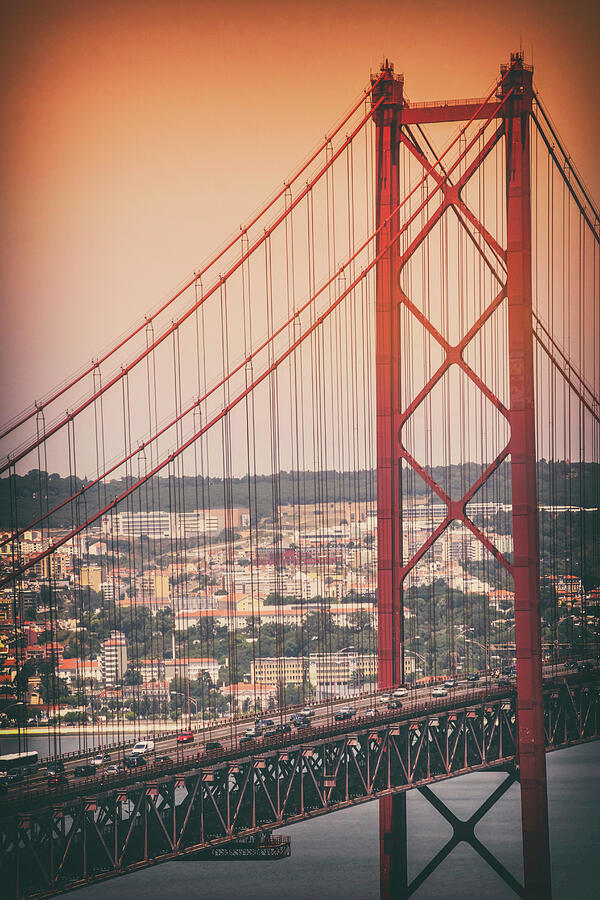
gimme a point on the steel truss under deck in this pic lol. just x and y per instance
(45, 851)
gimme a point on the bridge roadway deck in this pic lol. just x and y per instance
(96, 829)
(228, 732)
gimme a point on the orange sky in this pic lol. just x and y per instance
(137, 136)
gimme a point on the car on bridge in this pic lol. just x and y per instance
(345, 713)
(283, 728)
(394, 704)
(302, 723)
(57, 779)
(213, 745)
(55, 768)
(473, 676)
(142, 747)
(307, 711)
(185, 737)
(401, 692)
(439, 692)
(84, 770)
(253, 732)
(299, 717)
(135, 760)
(450, 683)
(101, 758)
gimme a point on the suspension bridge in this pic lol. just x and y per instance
(324, 526)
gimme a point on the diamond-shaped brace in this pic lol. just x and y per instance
(455, 504)
(447, 289)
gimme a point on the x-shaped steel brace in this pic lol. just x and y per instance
(463, 830)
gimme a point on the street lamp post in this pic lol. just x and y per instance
(421, 657)
(484, 647)
(189, 700)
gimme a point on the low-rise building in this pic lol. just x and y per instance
(330, 674)
(79, 671)
(251, 695)
(148, 690)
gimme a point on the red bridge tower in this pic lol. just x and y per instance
(512, 106)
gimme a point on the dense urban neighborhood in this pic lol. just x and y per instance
(211, 612)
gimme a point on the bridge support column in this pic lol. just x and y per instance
(530, 708)
(389, 88)
(393, 852)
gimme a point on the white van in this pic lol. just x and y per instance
(142, 747)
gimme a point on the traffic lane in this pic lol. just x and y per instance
(365, 701)
(229, 733)
(418, 705)
(324, 717)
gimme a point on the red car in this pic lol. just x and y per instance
(57, 779)
(186, 737)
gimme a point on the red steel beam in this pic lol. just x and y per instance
(516, 86)
(530, 707)
(428, 114)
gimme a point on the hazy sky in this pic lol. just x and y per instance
(137, 136)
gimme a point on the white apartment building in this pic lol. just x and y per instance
(112, 590)
(113, 658)
(78, 670)
(202, 664)
(194, 524)
(163, 524)
(190, 667)
(154, 524)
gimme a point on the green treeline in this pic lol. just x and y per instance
(25, 498)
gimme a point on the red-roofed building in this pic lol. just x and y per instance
(75, 670)
(50, 652)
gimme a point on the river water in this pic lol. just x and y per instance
(336, 856)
